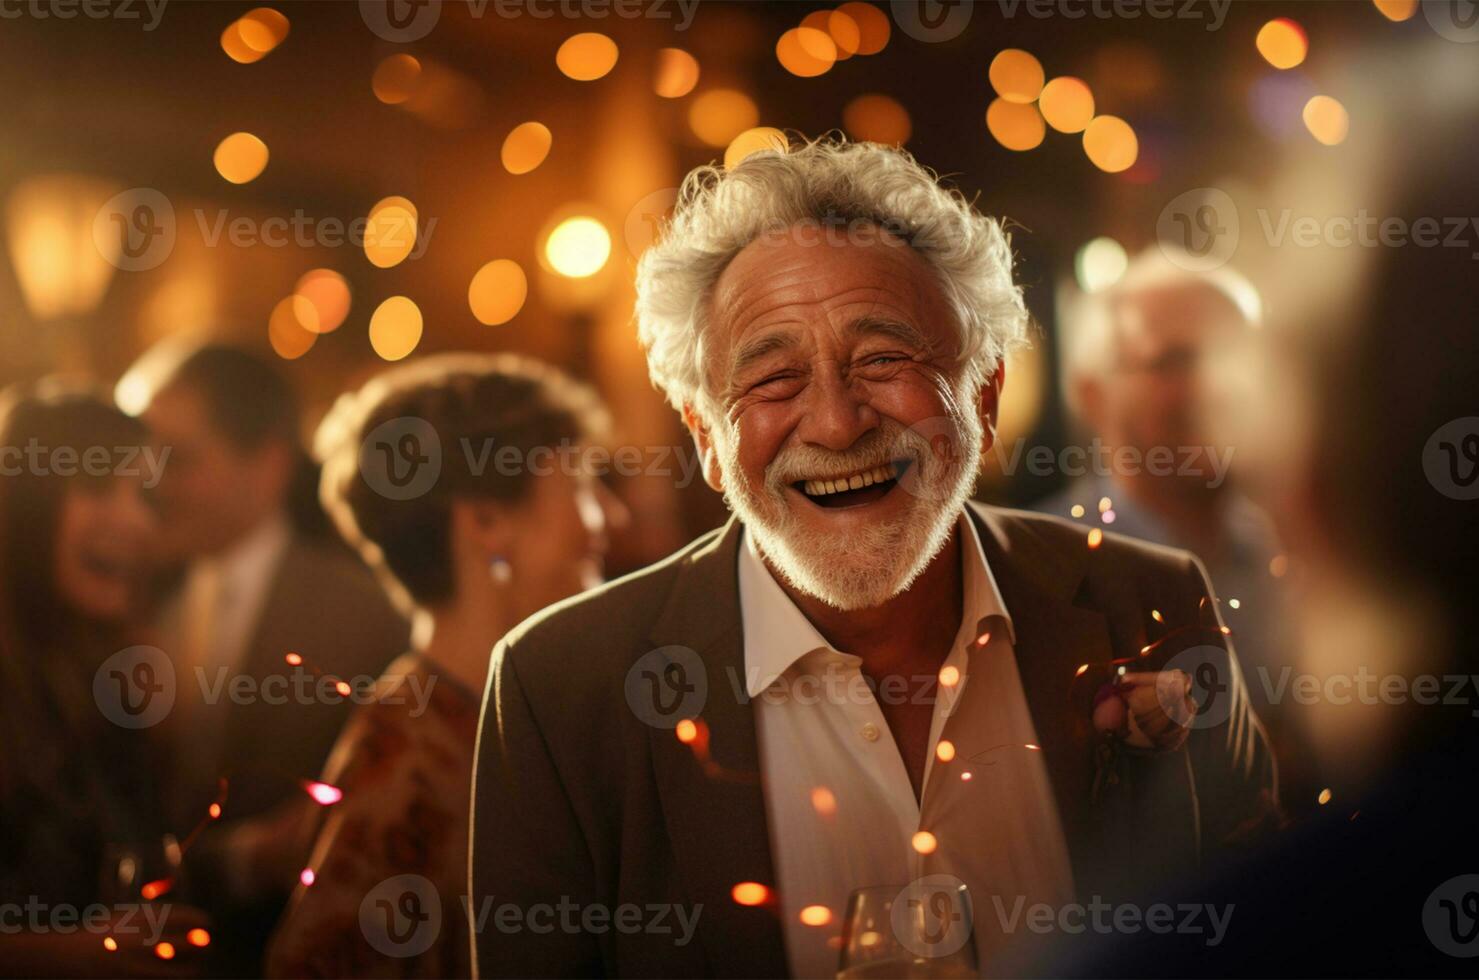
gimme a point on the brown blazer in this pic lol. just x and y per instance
(578, 801)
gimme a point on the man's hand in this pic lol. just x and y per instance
(1149, 710)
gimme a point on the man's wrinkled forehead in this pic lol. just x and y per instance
(790, 280)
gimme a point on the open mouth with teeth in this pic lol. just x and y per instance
(854, 489)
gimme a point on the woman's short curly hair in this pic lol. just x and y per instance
(474, 403)
(832, 182)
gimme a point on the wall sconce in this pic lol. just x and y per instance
(49, 225)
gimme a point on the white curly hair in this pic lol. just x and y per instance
(829, 181)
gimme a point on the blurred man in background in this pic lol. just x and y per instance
(1133, 359)
(252, 587)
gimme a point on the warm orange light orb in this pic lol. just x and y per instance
(924, 842)
(240, 157)
(719, 115)
(1327, 120)
(586, 57)
(395, 328)
(525, 147)
(497, 292)
(327, 293)
(1016, 126)
(1282, 43)
(761, 138)
(395, 79)
(676, 73)
(1016, 75)
(1067, 104)
(806, 52)
(877, 119)
(1111, 144)
(815, 915)
(750, 893)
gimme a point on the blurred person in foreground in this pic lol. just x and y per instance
(830, 322)
(1363, 403)
(487, 543)
(1135, 357)
(253, 587)
(74, 780)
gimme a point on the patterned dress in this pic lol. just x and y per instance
(389, 864)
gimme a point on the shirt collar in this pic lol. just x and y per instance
(777, 634)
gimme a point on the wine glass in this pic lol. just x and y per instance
(141, 871)
(922, 929)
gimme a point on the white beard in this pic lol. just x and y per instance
(868, 568)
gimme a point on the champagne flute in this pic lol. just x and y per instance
(922, 929)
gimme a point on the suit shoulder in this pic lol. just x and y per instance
(1115, 552)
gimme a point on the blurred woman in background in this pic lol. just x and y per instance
(459, 479)
(74, 785)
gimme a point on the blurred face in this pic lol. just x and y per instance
(558, 540)
(103, 532)
(1149, 397)
(211, 492)
(844, 434)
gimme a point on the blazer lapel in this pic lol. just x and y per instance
(1053, 637)
(711, 793)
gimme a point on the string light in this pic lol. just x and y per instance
(750, 893)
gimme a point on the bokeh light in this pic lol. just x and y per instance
(586, 57)
(497, 292)
(872, 24)
(815, 915)
(1111, 144)
(252, 36)
(240, 157)
(395, 328)
(878, 119)
(327, 293)
(806, 52)
(842, 29)
(1067, 104)
(924, 842)
(755, 140)
(1099, 264)
(525, 147)
(750, 893)
(1397, 10)
(1015, 125)
(1016, 75)
(676, 73)
(390, 232)
(578, 247)
(1282, 43)
(291, 328)
(395, 79)
(719, 115)
(1327, 120)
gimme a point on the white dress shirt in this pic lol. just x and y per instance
(841, 810)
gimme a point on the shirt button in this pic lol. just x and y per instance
(870, 732)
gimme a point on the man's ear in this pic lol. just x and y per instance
(989, 406)
(703, 440)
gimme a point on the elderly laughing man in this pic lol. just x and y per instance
(864, 678)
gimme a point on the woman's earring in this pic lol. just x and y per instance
(501, 570)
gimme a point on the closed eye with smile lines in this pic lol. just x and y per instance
(854, 489)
